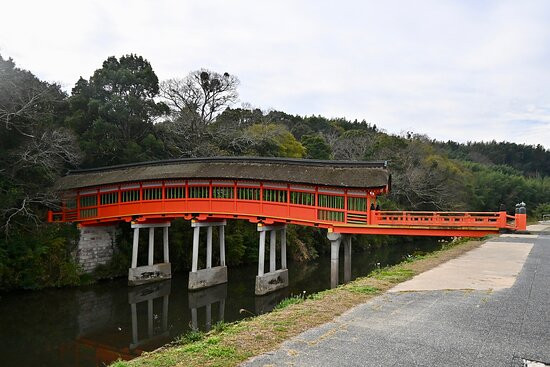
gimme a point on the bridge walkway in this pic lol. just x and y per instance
(420, 325)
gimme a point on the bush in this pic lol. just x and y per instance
(43, 257)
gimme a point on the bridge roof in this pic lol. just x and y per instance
(304, 171)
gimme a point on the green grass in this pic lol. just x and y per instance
(292, 300)
(189, 337)
(392, 274)
(364, 289)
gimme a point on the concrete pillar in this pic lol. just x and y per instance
(165, 244)
(283, 248)
(135, 246)
(151, 245)
(151, 272)
(202, 278)
(261, 254)
(95, 246)
(347, 258)
(195, 259)
(335, 240)
(208, 247)
(272, 251)
(221, 235)
(275, 279)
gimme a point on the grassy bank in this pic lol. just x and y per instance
(230, 344)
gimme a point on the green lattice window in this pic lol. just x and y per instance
(331, 215)
(331, 201)
(109, 198)
(175, 192)
(153, 193)
(130, 195)
(222, 192)
(86, 201)
(70, 203)
(199, 192)
(88, 213)
(275, 195)
(358, 204)
(302, 198)
(246, 193)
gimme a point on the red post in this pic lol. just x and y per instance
(50, 216)
(502, 219)
(521, 222)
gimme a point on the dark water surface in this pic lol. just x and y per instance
(94, 325)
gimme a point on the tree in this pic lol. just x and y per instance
(353, 145)
(269, 140)
(200, 97)
(114, 111)
(316, 147)
(34, 146)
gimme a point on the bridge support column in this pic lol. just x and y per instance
(335, 240)
(274, 279)
(203, 278)
(151, 272)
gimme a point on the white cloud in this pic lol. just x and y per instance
(451, 69)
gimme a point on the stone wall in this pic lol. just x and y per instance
(96, 246)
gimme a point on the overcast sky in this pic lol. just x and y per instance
(460, 70)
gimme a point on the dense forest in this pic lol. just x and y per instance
(123, 113)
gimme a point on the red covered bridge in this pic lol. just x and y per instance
(337, 195)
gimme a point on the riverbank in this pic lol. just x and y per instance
(230, 344)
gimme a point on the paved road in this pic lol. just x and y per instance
(438, 327)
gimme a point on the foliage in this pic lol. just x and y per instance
(272, 140)
(40, 258)
(540, 210)
(532, 160)
(113, 112)
(316, 147)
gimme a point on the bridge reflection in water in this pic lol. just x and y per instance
(149, 307)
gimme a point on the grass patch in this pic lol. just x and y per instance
(189, 337)
(230, 344)
(393, 274)
(365, 289)
(292, 300)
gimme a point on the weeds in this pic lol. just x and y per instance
(292, 300)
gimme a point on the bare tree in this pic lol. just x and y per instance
(34, 149)
(200, 97)
(352, 145)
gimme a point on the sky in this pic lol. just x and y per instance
(466, 70)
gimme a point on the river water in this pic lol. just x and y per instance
(94, 325)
